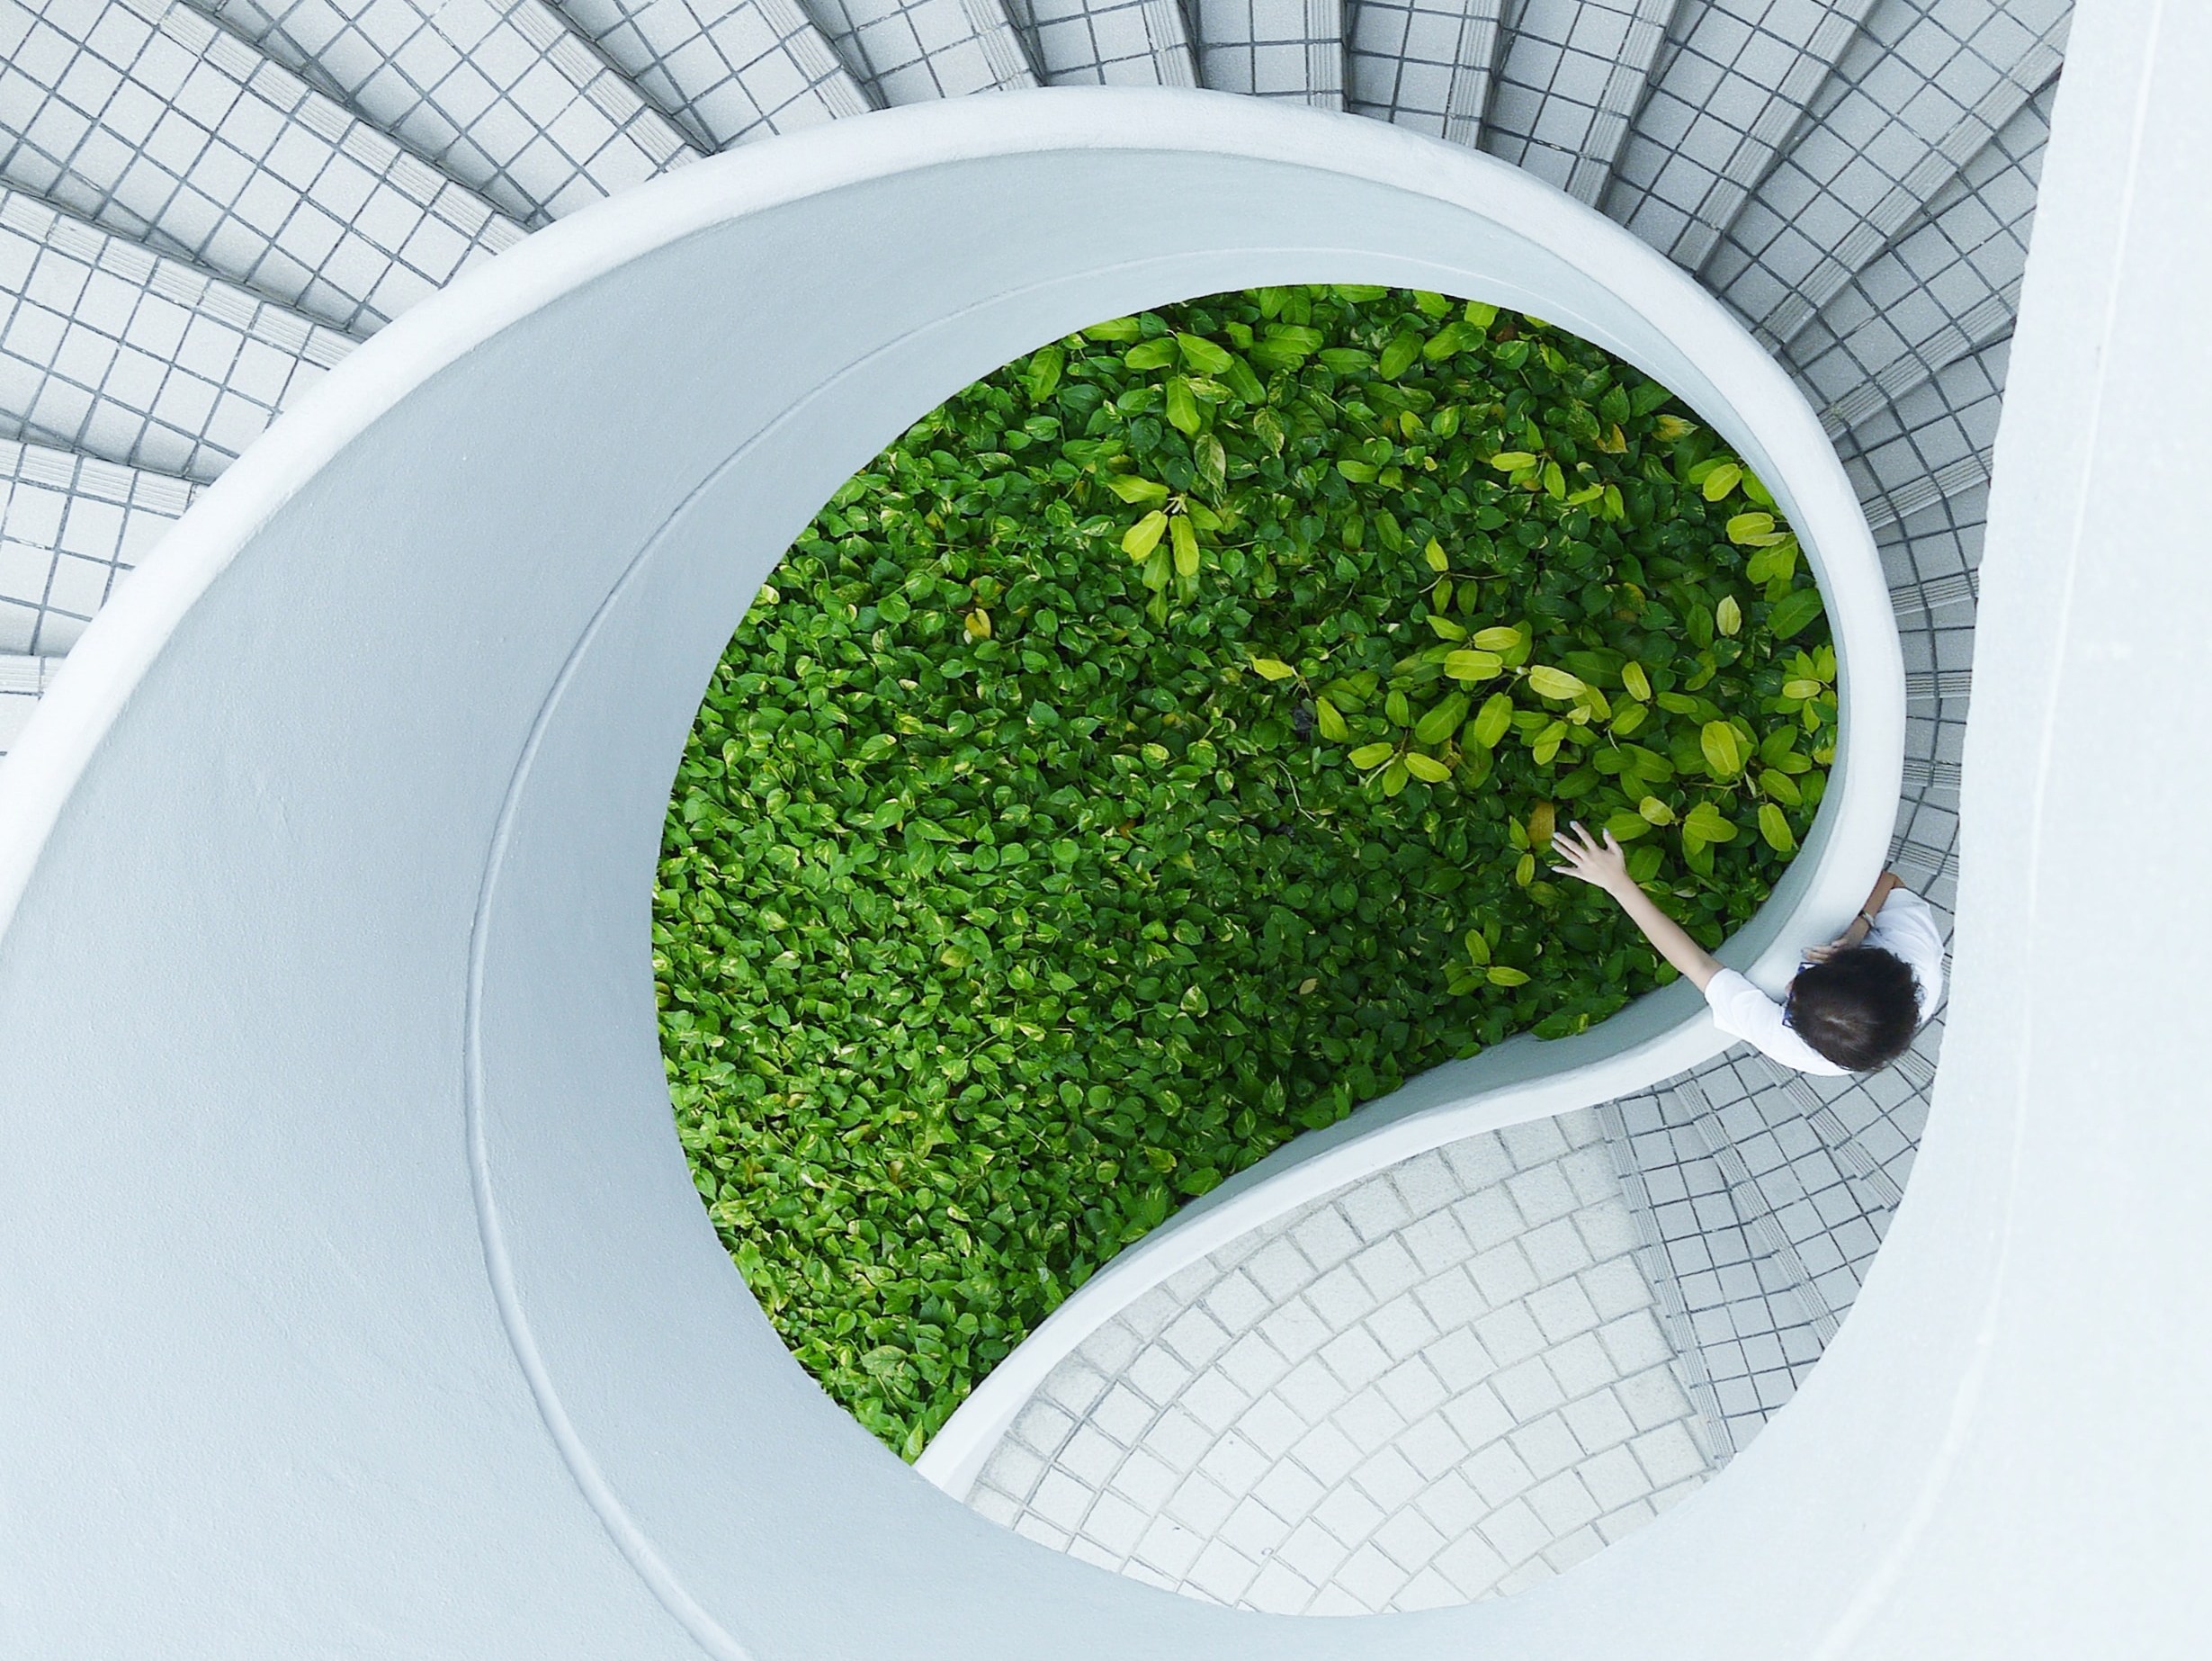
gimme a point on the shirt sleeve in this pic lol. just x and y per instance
(1906, 928)
(1742, 1011)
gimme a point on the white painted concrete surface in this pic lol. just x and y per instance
(345, 1018)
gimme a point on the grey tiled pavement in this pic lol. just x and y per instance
(146, 118)
(921, 49)
(22, 679)
(501, 93)
(1440, 1383)
(71, 527)
(1948, 285)
(1107, 42)
(1918, 95)
(1424, 64)
(1457, 1377)
(1730, 82)
(136, 358)
(1571, 74)
(725, 71)
(1272, 48)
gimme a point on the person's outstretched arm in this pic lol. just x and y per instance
(1605, 866)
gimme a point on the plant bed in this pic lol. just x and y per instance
(1150, 755)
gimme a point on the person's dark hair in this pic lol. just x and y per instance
(1859, 1009)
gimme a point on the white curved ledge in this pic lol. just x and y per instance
(359, 1301)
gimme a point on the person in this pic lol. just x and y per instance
(1855, 1004)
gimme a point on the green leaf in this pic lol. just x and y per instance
(1427, 769)
(1708, 824)
(1722, 480)
(1728, 617)
(1781, 786)
(1182, 406)
(1775, 829)
(1131, 489)
(1358, 471)
(1441, 722)
(1553, 682)
(1370, 756)
(1043, 373)
(1504, 975)
(1445, 629)
(1140, 538)
(1185, 540)
(1747, 528)
(1434, 555)
(1150, 354)
(1495, 717)
(1472, 665)
(1203, 355)
(1723, 755)
(1638, 683)
(1793, 611)
(1330, 721)
(1398, 355)
(1512, 461)
(1274, 669)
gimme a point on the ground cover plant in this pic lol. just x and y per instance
(1153, 753)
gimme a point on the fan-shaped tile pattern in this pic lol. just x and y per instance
(136, 358)
(1442, 1382)
(725, 70)
(1570, 78)
(1730, 82)
(1424, 64)
(23, 680)
(144, 117)
(1273, 48)
(71, 527)
(1918, 95)
(501, 93)
(1932, 443)
(1948, 286)
(1114, 43)
(910, 51)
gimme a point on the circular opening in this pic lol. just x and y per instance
(1155, 753)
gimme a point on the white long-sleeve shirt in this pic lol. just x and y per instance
(1903, 927)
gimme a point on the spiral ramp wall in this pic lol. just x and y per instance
(258, 1405)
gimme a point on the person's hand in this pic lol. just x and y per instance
(1602, 864)
(1849, 938)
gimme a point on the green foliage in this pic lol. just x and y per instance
(1154, 753)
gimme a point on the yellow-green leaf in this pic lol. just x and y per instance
(1670, 429)
(1439, 723)
(1728, 617)
(1140, 538)
(1722, 753)
(1744, 526)
(1445, 629)
(1478, 948)
(1497, 639)
(1774, 828)
(1185, 545)
(1129, 488)
(1273, 668)
(1627, 826)
(1801, 688)
(1721, 480)
(1512, 461)
(1434, 555)
(1331, 720)
(1496, 716)
(1554, 683)
(1427, 769)
(1542, 820)
(1203, 355)
(1707, 823)
(1472, 665)
(1654, 811)
(1781, 786)
(1368, 757)
(1638, 683)
(1395, 777)
(1504, 974)
(1182, 407)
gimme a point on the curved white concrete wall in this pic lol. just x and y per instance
(358, 1301)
